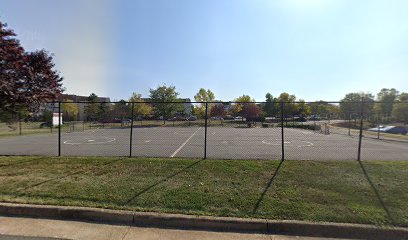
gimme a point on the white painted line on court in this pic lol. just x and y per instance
(90, 140)
(184, 143)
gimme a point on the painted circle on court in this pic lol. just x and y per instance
(90, 140)
(292, 143)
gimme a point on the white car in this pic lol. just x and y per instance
(389, 129)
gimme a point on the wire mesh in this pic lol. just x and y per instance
(385, 132)
(317, 133)
(20, 129)
(240, 131)
(218, 130)
(167, 130)
(95, 129)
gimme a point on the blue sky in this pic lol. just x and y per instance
(315, 49)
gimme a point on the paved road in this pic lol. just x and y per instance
(222, 143)
(38, 229)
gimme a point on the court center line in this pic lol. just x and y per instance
(184, 143)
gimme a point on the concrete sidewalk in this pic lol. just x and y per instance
(59, 229)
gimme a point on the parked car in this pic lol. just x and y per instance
(314, 117)
(217, 118)
(177, 118)
(229, 117)
(239, 118)
(389, 129)
(45, 124)
(192, 118)
(126, 121)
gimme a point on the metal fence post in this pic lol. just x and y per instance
(131, 130)
(19, 124)
(205, 130)
(59, 129)
(361, 129)
(282, 133)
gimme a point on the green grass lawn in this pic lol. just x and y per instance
(374, 192)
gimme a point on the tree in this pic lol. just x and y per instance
(217, 110)
(92, 107)
(27, 79)
(322, 108)
(140, 109)
(103, 110)
(302, 109)
(350, 105)
(120, 110)
(289, 105)
(271, 106)
(239, 103)
(400, 108)
(12, 59)
(165, 98)
(386, 98)
(251, 111)
(203, 96)
(319, 108)
(70, 110)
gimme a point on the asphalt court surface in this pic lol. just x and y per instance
(222, 143)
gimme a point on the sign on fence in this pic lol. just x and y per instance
(56, 119)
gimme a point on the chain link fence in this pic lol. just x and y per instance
(218, 130)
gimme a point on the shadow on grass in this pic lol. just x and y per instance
(161, 181)
(22, 162)
(258, 203)
(380, 199)
(65, 176)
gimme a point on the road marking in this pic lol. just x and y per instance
(184, 143)
(90, 140)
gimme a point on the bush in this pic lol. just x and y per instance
(256, 119)
(302, 126)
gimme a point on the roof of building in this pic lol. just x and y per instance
(76, 98)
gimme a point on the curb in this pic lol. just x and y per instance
(180, 221)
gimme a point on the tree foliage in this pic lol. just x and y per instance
(238, 104)
(351, 104)
(120, 110)
(165, 98)
(217, 110)
(386, 98)
(92, 108)
(140, 109)
(271, 107)
(400, 108)
(203, 96)
(251, 111)
(27, 79)
(70, 110)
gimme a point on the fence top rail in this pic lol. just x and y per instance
(230, 102)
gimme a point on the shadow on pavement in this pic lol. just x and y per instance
(258, 203)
